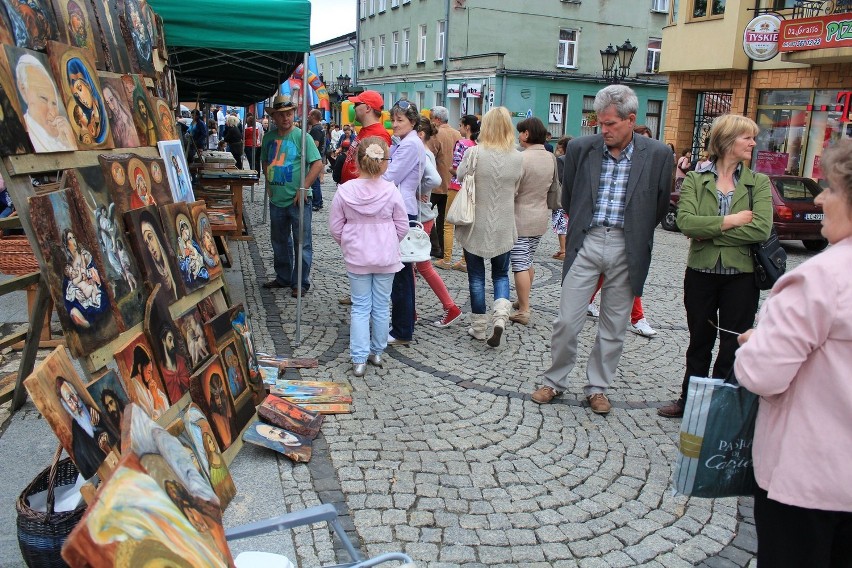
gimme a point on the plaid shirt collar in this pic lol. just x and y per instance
(627, 152)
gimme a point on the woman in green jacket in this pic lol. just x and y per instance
(716, 213)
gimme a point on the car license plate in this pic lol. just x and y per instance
(814, 216)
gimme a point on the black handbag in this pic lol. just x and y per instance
(770, 259)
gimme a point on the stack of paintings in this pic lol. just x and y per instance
(285, 428)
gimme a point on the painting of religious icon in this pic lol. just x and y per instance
(135, 361)
(75, 273)
(115, 50)
(198, 429)
(160, 37)
(290, 416)
(87, 435)
(139, 33)
(143, 114)
(77, 27)
(204, 232)
(212, 306)
(81, 93)
(110, 398)
(169, 346)
(134, 182)
(225, 340)
(165, 119)
(168, 86)
(118, 111)
(32, 22)
(150, 245)
(178, 227)
(240, 324)
(133, 521)
(13, 135)
(297, 448)
(237, 380)
(44, 114)
(209, 390)
(177, 170)
(5, 28)
(190, 326)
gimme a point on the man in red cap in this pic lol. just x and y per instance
(368, 111)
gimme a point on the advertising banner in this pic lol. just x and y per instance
(816, 33)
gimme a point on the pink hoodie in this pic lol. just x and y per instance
(368, 220)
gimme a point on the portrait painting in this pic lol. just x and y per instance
(32, 22)
(241, 325)
(118, 111)
(180, 233)
(204, 232)
(139, 34)
(168, 344)
(122, 272)
(198, 429)
(190, 326)
(212, 306)
(134, 182)
(133, 521)
(209, 390)
(150, 245)
(297, 448)
(235, 374)
(233, 324)
(107, 391)
(165, 119)
(13, 135)
(77, 27)
(140, 109)
(81, 95)
(115, 49)
(177, 170)
(85, 433)
(138, 369)
(74, 270)
(168, 86)
(44, 114)
(290, 417)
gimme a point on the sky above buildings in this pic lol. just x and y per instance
(332, 18)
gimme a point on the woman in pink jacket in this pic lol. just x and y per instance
(368, 220)
(797, 360)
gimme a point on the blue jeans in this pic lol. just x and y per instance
(316, 188)
(476, 279)
(284, 231)
(370, 302)
(402, 297)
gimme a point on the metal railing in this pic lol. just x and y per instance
(813, 8)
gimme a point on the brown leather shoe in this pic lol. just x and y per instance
(599, 403)
(673, 410)
(544, 395)
(522, 318)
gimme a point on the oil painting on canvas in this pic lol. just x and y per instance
(13, 135)
(190, 327)
(150, 245)
(118, 111)
(137, 367)
(295, 447)
(204, 232)
(143, 114)
(209, 390)
(178, 227)
(168, 344)
(109, 396)
(77, 27)
(115, 50)
(177, 170)
(32, 22)
(198, 428)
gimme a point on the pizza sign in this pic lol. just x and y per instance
(816, 33)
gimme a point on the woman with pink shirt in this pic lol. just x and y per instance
(797, 360)
(368, 220)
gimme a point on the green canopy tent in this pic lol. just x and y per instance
(235, 52)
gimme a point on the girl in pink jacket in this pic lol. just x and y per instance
(368, 220)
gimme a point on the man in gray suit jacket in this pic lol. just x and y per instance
(615, 188)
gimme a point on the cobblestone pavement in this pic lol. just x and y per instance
(446, 458)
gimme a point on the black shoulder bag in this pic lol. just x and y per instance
(770, 259)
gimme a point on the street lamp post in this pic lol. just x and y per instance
(616, 62)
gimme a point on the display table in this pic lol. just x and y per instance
(222, 191)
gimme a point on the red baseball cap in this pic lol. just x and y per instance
(372, 99)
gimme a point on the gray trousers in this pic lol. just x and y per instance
(603, 252)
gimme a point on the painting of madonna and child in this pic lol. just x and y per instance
(179, 230)
(75, 272)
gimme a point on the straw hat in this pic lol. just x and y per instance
(280, 103)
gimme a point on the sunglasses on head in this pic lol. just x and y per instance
(403, 104)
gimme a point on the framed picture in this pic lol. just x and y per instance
(37, 93)
(74, 270)
(110, 398)
(168, 345)
(118, 111)
(60, 396)
(209, 390)
(177, 170)
(150, 245)
(179, 230)
(138, 368)
(204, 233)
(77, 27)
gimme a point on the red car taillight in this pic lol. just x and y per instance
(784, 213)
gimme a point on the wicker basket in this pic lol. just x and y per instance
(42, 534)
(16, 255)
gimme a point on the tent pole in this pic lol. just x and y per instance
(303, 191)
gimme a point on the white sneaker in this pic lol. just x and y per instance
(593, 310)
(642, 328)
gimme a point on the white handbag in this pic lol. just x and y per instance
(415, 245)
(462, 211)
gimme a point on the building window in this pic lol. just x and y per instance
(383, 5)
(381, 51)
(363, 9)
(589, 122)
(439, 39)
(371, 55)
(362, 54)
(406, 1)
(339, 67)
(707, 9)
(567, 55)
(406, 46)
(421, 43)
(655, 47)
(652, 117)
(660, 6)
(394, 47)
(372, 7)
(394, 3)
(320, 69)
(419, 99)
(439, 98)
(351, 67)
(673, 12)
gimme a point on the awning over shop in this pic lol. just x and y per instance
(234, 51)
